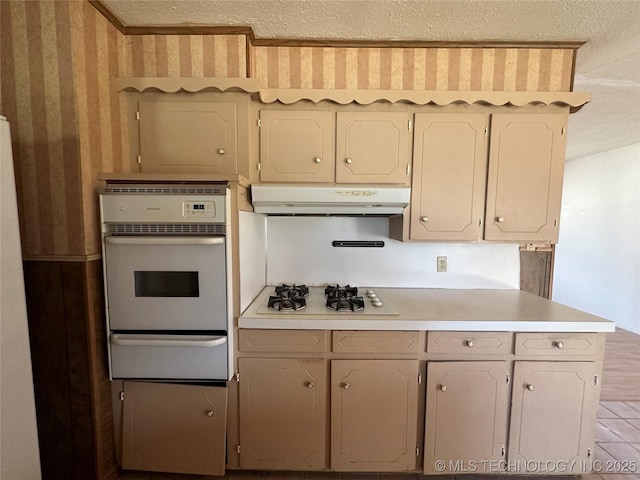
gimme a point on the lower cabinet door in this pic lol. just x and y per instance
(466, 417)
(283, 413)
(553, 417)
(374, 415)
(174, 428)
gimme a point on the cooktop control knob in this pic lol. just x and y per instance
(370, 293)
(376, 302)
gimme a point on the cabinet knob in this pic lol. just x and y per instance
(499, 219)
(424, 219)
(317, 159)
(210, 413)
(348, 161)
(310, 385)
(558, 344)
(346, 386)
(221, 151)
(530, 387)
(443, 388)
(468, 343)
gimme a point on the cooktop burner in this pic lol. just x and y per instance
(289, 298)
(293, 299)
(344, 299)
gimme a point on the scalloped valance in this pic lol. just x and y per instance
(575, 100)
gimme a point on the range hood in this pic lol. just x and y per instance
(290, 199)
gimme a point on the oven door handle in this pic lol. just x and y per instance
(115, 240)
(128, 340)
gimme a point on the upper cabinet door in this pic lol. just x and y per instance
(187, 137)
(449, 176)
(524, 186)
(372, 147)
(296, 146)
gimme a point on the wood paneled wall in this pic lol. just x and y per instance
(424, 68)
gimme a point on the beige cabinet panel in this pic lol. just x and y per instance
(559, 344)
(375, 342)
(470, 343)
(283, 412)
(374, 415)
(553, 414)
(466, 419)
(372, 147)
(296, 146)
(174, 428)
(186, 137)
(524, 185)
(282, 340)
(449, 176)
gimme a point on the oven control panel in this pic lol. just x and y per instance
(201, 209)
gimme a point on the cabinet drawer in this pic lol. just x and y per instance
(469, 342)
(282, 340)
(375, 342)
(561, 344)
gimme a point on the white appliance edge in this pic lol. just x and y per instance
(19, 454)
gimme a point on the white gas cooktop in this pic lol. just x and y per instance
(316, 304)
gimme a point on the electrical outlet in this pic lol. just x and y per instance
(442, 264)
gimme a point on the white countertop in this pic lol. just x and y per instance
(439, 309)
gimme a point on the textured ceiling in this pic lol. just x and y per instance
(608, 65)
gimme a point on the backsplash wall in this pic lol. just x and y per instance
(299, 250)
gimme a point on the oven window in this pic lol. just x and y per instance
(166, 284)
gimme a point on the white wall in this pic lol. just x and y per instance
(597, 267)
(299, 250)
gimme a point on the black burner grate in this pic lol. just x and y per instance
(344, 299)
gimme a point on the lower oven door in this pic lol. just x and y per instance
(167, 357)
(166, 283)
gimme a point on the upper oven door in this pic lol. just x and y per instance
(166, 283)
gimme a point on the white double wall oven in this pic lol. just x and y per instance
(167, 281)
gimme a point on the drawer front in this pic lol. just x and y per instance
(560, 344)
(469, 342)
(375, 342)
(282, 340)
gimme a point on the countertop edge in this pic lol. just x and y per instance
(428, 325)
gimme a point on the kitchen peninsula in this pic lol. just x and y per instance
(459, 381)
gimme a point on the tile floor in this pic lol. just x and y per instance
(617, 446)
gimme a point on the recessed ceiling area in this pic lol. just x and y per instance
(608, 64)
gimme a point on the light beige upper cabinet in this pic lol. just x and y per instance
(466, 188)
(466, 419)
(553, 414)
(374, 415)
(372, 147)
(449, 176)
(524, 185)
(296, 146)
(178, 137)
(283, 412)
(174, 428)
(319, 146)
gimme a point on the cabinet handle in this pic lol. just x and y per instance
(558, 344)
(221, 151)
(348, 161)
(468, 343)
(443, 388)
(210, 413)
(530, 387)
(424, 219)
(346, 386)
(499, 219)
(310, 385)
(317, 159)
